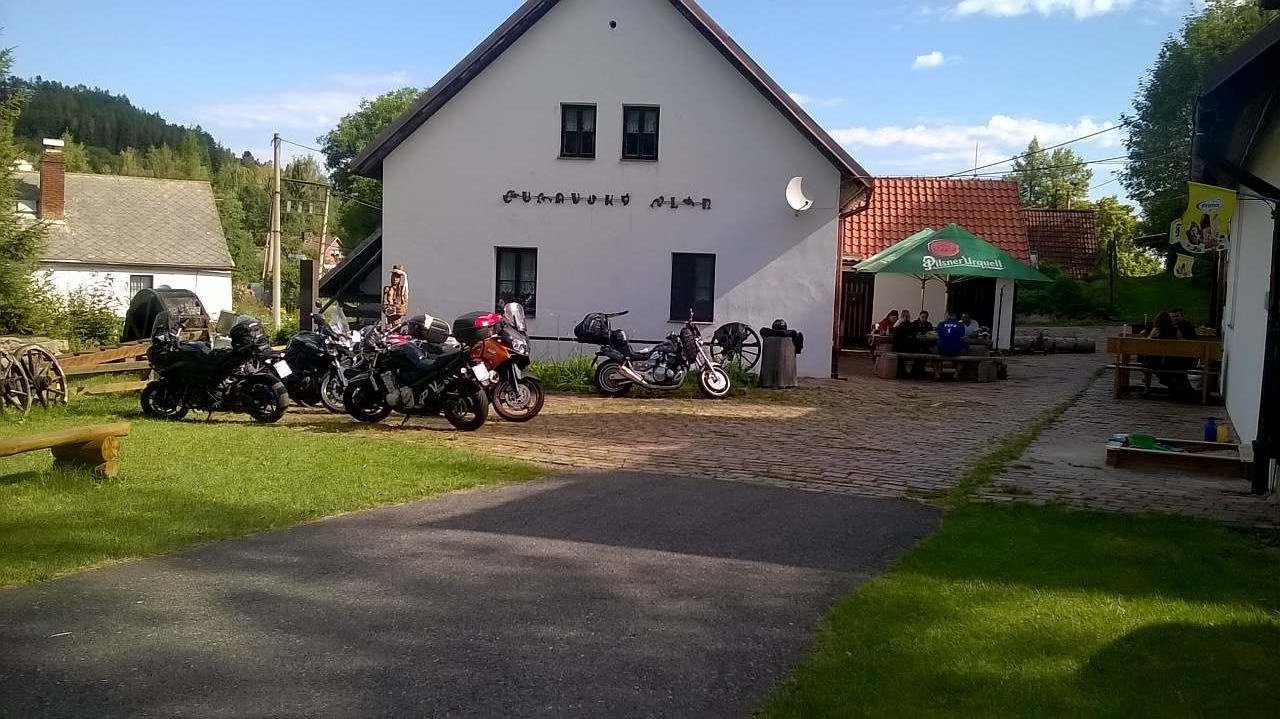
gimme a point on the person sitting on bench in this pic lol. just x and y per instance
(1171, 371)
(886, 325)
(906, 335)
(951, 336)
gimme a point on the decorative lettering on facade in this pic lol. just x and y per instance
(560, 198)
(674, 202)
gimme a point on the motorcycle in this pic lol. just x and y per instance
(516, 396)
(663, 368)
(320, 360)
(193, 375)
(425, 377)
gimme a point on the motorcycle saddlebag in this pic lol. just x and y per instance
(248, 335)
(475, 327)
(426, 328)
(593, 330)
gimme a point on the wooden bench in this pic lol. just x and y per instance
(890, 365)
(1207, 353)
(96, 448)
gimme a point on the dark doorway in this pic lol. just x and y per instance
(975, 297)
(855, 311)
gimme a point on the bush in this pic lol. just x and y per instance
(1064, 297)
(84, 318)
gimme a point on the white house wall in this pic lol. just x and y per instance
(719, 138)
(1245, 314)
(211, 286)
(902, 292)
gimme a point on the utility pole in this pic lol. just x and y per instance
(324, 230)
(275, 232)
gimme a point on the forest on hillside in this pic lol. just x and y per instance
(106, 133)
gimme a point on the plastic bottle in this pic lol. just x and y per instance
(1211, 429)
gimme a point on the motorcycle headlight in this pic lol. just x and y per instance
(520, 346)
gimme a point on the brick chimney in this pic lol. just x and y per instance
(53, 182)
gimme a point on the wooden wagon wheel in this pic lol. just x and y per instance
(736, 343)
(15, 390)
(48, 381)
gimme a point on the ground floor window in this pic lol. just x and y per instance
(518, 278)
(693, 286)
(138, 283)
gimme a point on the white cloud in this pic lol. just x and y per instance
(930, 148)
(812, 102)
(312, 108)
(1081, 9)
(929, 60)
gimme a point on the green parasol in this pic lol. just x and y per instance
(948, 253)
(951, 254)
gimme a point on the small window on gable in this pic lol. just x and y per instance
(693, 286)
(639, 133)
(578, 131)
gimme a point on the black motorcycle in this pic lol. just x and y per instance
(193, 375)
(425, 377)
(663, 367)
(319, 360)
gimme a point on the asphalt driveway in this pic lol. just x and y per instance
(611, 595)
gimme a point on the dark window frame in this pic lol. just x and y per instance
(684, 269)
(150, 283)
(521, 255)
(566, 141)
(639, 154)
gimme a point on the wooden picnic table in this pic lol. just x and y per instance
(1128, 349)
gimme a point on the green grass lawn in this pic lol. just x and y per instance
(1031, 612)
(187, 483)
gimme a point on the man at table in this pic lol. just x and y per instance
(951, 336)
(1182, 328)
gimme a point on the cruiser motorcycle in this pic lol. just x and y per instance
(664, 367)
(516, 395)
(424, 377)
(192, 375)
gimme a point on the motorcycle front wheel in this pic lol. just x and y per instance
(162, 400)
(714, 382)
(364, 402)
(467, 411)
(519, 402)
(331, 393)
(264, 398)
(610, 381)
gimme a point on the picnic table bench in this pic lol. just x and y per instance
(1127, 350)
(96, 448)
(892, 365)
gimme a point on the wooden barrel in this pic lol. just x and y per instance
(778, 363)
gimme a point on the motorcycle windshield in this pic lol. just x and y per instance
(513, 313)
(337, 321)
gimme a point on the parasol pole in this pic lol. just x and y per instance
(995, 331)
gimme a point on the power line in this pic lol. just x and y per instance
(305, 147)
(1043, 149)
(1082, 163)
(1104, 184)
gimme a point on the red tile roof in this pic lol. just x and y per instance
(1068, 238)
(902, 206)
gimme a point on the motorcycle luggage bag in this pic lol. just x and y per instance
(426, 328)
(475, 327)
(594, 329)
(249, 335)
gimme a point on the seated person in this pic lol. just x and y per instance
(971, 326)
(951, 337)
(886, 325)
(906, 334)
(923, 325)
(1171, 325)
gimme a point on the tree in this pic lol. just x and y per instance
(359, 216)
(20, 239)
(1117, 225)
(74, 156)
(1160, 129)
(192, 158)
(1055, 180)
(132, 164)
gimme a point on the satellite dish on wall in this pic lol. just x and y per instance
(796, 197)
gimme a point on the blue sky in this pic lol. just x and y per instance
(907, 87)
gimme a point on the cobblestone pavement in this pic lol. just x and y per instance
(865, 435)
(1067, 464)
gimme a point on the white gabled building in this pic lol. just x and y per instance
(1237, 145)
(605, 155)
(117, 235)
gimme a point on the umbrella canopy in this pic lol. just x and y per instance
(946, 253)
